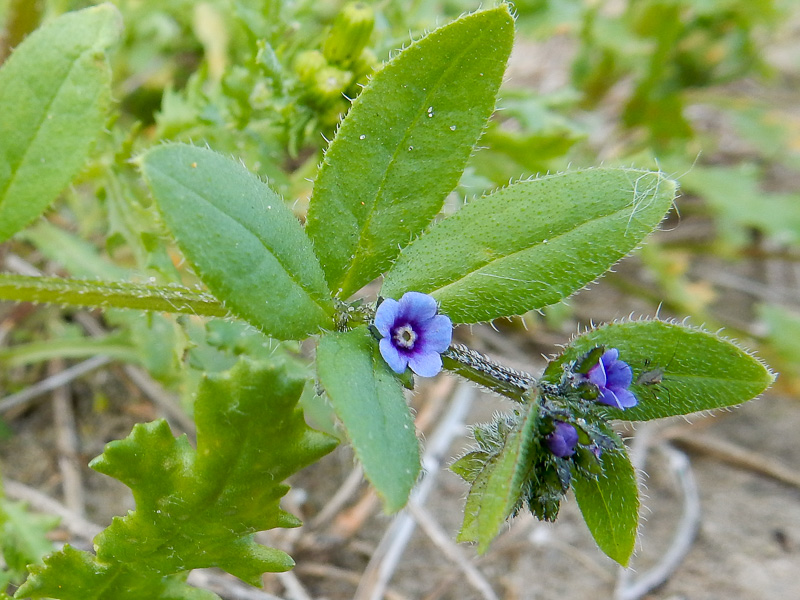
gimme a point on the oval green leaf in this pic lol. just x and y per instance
(55, 91)
(243, 241)
(368, 399)
(610, 505)
(533, 243)
(403, 146)
(677, 370)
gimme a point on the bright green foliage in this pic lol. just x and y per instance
(533, 243)
(23, 538)
(369, 400)
(404, 145)
(610, 505)
(677, 370)
(243, 241)
(496, 481)
(198, 508)
(55, 90)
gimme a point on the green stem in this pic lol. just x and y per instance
(480, 369)
(109, 294)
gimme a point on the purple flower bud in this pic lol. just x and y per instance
(413, 334)
(612, 378)
(562, 440)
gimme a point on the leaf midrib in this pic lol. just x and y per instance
(479, 266)
(292, 276)
(33, 140)
(365, 227)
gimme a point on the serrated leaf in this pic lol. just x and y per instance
(368, 399)
(244, 243)
(403, 145)
(496, 490)
(55, 91)
(196, 509)
(533, 243)
(677, 370)
(610, 505)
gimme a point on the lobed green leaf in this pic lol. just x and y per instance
(403, 145)
(610, 505)
(677, 370)
(244, 243)
(55, 91)
(368, 399)
(196, 509)
(533, 243)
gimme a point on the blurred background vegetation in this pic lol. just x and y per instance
(705, 90)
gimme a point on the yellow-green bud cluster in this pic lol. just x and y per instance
(349, 34)
(343, 65)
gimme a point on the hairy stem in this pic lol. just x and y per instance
(109, 294)
(480, 369)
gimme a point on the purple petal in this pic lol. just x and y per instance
(436, 334)
(425, 364)
(386, 316)
(619, 375)
(597, 375)
(394, 358)
(563, 439)
(626, 398)
(609, 398)
(609, 357)
(417, 307)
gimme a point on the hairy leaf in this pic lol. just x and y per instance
(403, 145)
(196, 509)
(677, 370)
(245, 244)
(55, 90)
(496, 489)
(610, 505)
(369, 400)
(533, 243)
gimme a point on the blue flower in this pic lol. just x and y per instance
(612, 378)
(562, 440)
(413, 334)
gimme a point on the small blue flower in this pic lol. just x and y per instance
(562, 440)
(413, 334)
(612, 378)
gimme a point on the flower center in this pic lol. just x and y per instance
(405, 337)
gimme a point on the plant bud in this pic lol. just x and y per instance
(328, 85)
(308, 64)
(349, 34)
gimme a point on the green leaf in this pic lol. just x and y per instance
(368, 399)
(610, 505)
(55, 91)
(196, 509)
(243, 241)
(403, 145)
(677, 370)
(497, 487)
(23, 537)
(533, 243)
